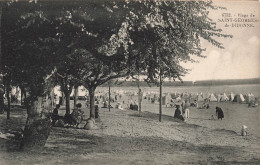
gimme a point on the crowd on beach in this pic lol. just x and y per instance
(130, 100)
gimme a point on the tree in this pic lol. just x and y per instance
(103, 41)
(96, 72)
(66, 74)
(30, 60)
(103, 50)
(171, 32)
(36, 54)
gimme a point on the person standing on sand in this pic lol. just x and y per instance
(219, 113)
(186, 112)
(177, 113)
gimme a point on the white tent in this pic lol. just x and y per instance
(250, 97)
(200, 97)
(222, 97)
(225, 98)
(242, 97)
(232, 96)
(212, 97)
(206, 95)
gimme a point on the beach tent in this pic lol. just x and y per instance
(225, 97)
(200, 98)
(219, 97)
(194, 96)
(250, 97)
(239, 98)
(242, 97)
(144, 94)
(222, 97)
(205, 95)
(212, 97)
(168, 98)
(232, 96)
(173, 95)
(185, 95)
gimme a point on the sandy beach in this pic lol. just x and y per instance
(125, 137)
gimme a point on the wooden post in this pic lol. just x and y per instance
(139, 95)
(109, 94)
(160, 105)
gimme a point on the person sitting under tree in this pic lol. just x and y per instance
(76, 117)
(55, 114)
(77, 114)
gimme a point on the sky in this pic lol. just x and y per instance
(241, 57)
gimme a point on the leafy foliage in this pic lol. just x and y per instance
(171, 32)
(91, 43)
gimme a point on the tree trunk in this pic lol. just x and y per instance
(8, 100)
(1, 68)
(1, 93)
(92, 101)
(38, 124)
(22, 97)
(67, 97)
(17, 94)
(66, 91)
(109, 97)
(62, 98)
(75, 96)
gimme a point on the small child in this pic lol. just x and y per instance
(212, 117)
(244, 130)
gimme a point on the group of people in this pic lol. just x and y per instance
(73, 119)
(182, 110)
(253, 103)
(184, 113)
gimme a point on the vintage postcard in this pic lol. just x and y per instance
(129, 82)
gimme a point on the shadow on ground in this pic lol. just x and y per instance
(155, 117)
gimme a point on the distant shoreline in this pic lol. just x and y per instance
(190, 83)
